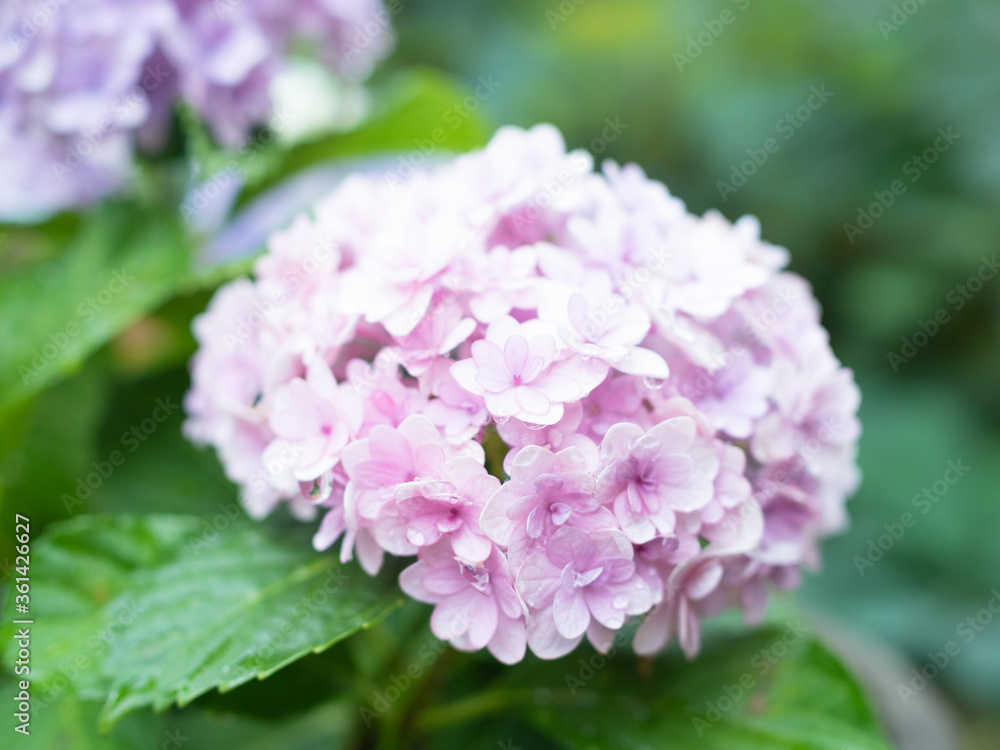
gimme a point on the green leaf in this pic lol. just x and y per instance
(419, 112)
(774, 689)
(165, 608)
(71, 724)
(80, 582)
(121, 263)
(327, 727)
(161, 467)
(48, 443)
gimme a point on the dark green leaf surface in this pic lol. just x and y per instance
(71, 724)
(328, 727)
(47, 444)
(122, 263)
(775, 689)
(81, 573)
(165, 608)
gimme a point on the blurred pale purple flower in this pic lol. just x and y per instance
(82, 83)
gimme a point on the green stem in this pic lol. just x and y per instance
(388, 738)
(395, 723)
(472, 707)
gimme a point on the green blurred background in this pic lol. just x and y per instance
(691, 88)
(692, 111)
(690, 101)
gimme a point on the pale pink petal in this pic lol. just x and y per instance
(600, 637)
(484, 621)
(544, 639)
(509, 642)
(570, 612)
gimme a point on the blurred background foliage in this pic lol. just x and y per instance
(895, 77)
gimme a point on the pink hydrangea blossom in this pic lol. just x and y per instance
(611, 333)
(566, 433)
(514, 368)
(452, 506)
(379, 464)
(458, 413)
(572, 400)
(546, 491)
(319, 417)
(475, 603)
(688, 584)
(652, 475)
(581, 581)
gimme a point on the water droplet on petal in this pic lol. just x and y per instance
(478, 576)
(533, 426)
(654, 383)
(321, 489)
(500, 420)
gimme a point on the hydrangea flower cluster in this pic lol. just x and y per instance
(82, 82)
(666, 429)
